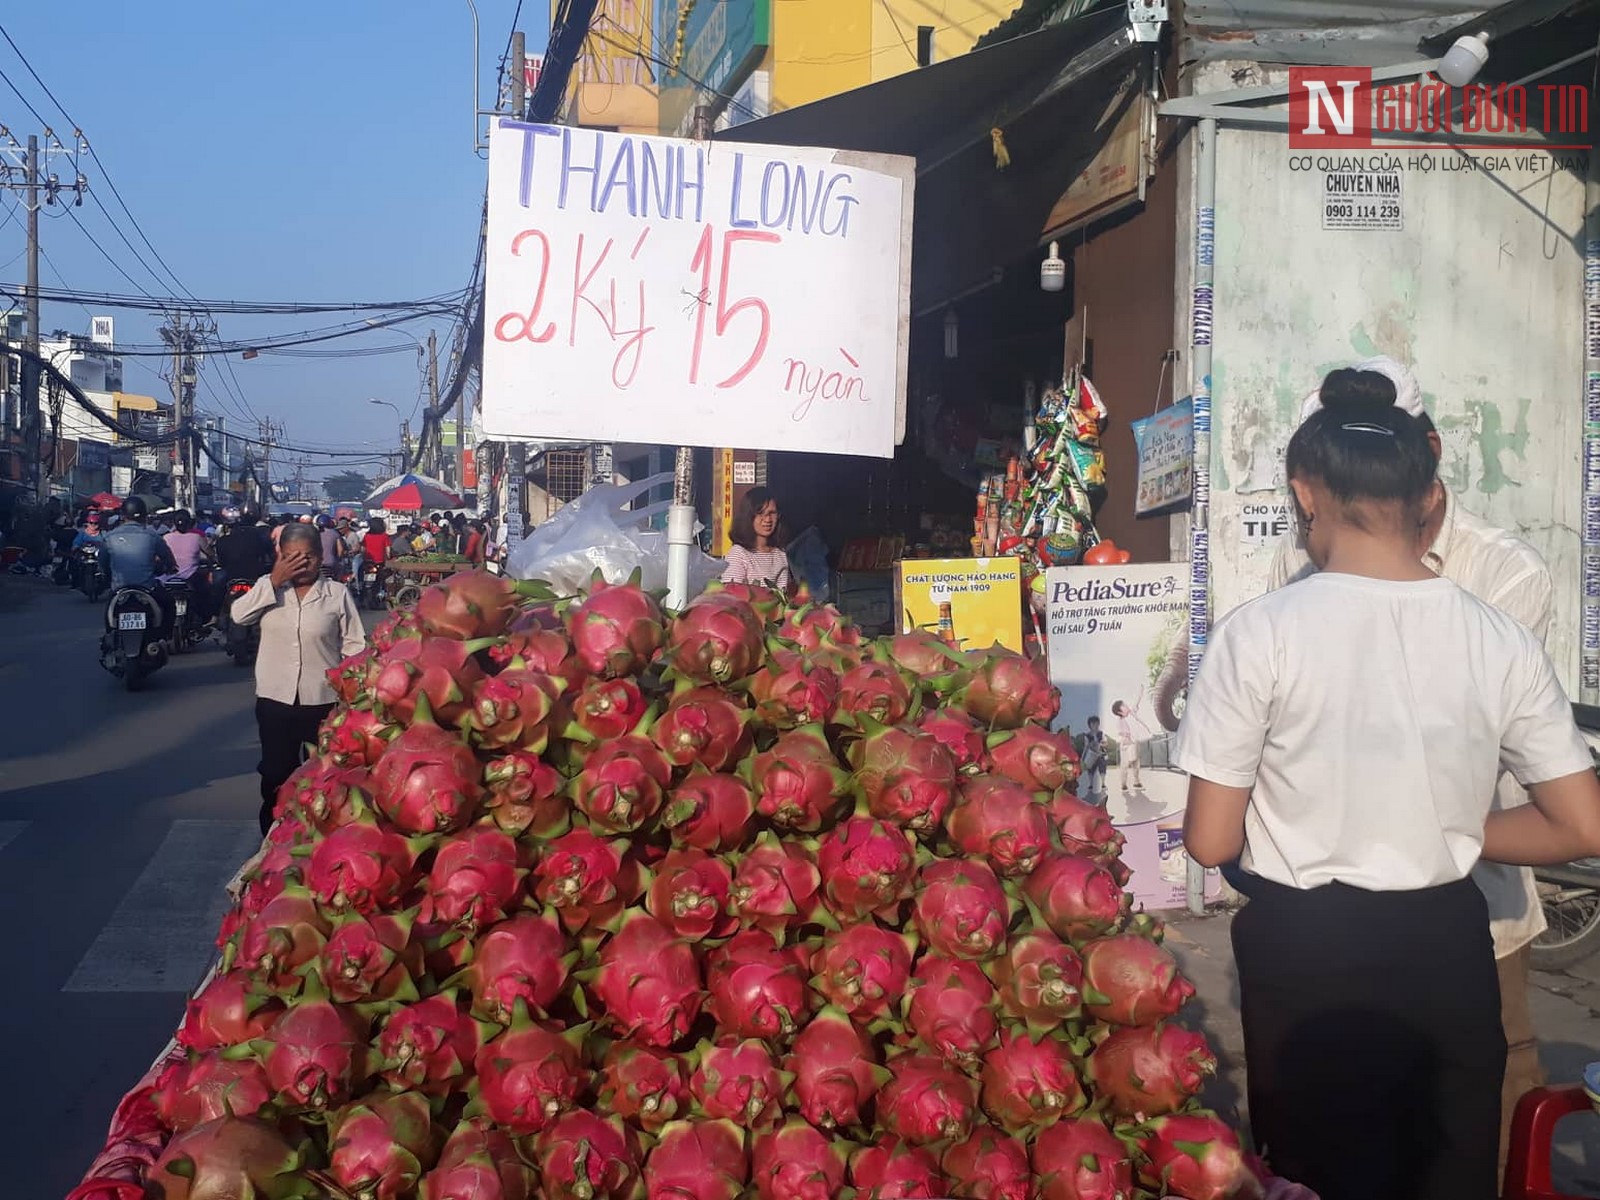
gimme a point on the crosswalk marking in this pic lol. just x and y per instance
(9, 831)
(160, 938)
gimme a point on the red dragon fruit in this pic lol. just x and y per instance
(587, 881)
(836, 1070)
(1150, 1071)
(796, 1162)
(705, 726)
(643, 1085)
(231, 1156)
(616, 630)
(427, 781)
(1197, 1156)
(1001, 823)
(873, 690)
(649, 982)
(905, 776)
(1041, 980)
(204, 1087)
(791, 691)
(349, 679)
(479, 1163)
(324, 795)
(1029, 1083)
(690, 895)
(316, 1053)
(586, 1157)
(989, 1166)
(1008, 691)
(798, 783)
(709, 812)
(863, 970)
(1080, 1159)
(360, 867)
(428, 1046)
(697, 1160)
(284, 936)
(738, 1081)
(370, 958)
(716, 639)
(531, 1074)
(758, 990)
(776, 886)
(867, 869)
(511, 710)
(523, 795)
(1129, 980)
(355, 737)
(1078, 898)
(524, 958)
(1085, 828)
(539, 649)
(950, 1009)
(927, 1101)
(227, 1011)
(622, 784)
(925, 661)
(475, 880)
(1037, 759)
(961, 909)
(891, 1169)
(379, 1146)
(468, 605)
(958, 734)
(438, 672)
(767, 603)
(399, 626)
(818, 626)
(608, 708)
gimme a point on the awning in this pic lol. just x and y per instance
(1047, 92)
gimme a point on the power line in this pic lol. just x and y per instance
(425, 306)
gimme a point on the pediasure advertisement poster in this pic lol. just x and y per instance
(1118, 652)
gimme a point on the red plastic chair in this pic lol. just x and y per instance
(1533, 1129)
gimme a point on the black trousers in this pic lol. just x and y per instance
(285, 729)
(1372, 1039)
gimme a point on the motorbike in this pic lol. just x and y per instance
(133, 647)
(1570, 893)
(188, 629)
(240, 642)
(89, 570)
(370, 594)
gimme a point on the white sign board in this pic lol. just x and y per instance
(645, 289)
(1362, 200)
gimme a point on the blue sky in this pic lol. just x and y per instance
(285, 151)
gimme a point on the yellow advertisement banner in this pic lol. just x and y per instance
(973, 603)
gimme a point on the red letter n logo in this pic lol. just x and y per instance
(1330, 107)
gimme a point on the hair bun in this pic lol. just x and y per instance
(1350, 392)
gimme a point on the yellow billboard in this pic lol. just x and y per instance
(614, 81)
(972, 603)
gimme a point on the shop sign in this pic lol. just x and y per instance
(647, 289)
(972, 603)
(614, 81)
(94, 456)
(1119, 652)
(722, 533)
(1115, 177)
(744, 474)
(723, 42)
(1363, 200)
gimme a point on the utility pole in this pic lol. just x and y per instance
(184, 333)
(433, 398)
(269, 433)
(516, 451)
(405, 446)
(519, 79)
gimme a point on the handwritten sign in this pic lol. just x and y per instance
(648, 289)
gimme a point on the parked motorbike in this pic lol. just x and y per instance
(133, 646)
(240, 642)
(1570, 893)
(90, 575)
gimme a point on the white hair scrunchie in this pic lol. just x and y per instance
(1407, 393)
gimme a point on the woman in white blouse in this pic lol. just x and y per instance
(308, 625)
(756, 554)
(1343, 738)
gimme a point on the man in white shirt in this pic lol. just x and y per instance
(1502, 570)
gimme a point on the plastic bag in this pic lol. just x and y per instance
(808, 563)
(597, 531)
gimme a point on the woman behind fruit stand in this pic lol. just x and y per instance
(756, 554)
(1343, 739)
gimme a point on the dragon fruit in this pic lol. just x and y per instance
(643, 1085)
(697, 1160)
(538, 649)
(925, 661)
(988, 1166)
(276, 942)
(716, 639)
(427, 781)
(1149, 1071)
(958, 734)
(1084, 828)
(791, 691)
(475, 880)
(468, 605)
(361, 867)
(429, 1045)
(350, 678)
(1129, 980)
(950, 1010)
(1040, 979)
(608, 708)
(1001, 823)
(649, 982)
(798, 783)
(1029, 1083)
(399, 626)
(961, 909)
(1077, 897)
(874, 690)
(203, 1087)
(836, 1070)
(767, 603)
(380, 1146)
(316, 1053)
(817, 627)
(863, 970)
(1080, 1159)
(522, 959)
(1197, 1156)
(705, 726)
(757, 990)
(776, 886)
(227, 1011)
(690, 895)
(230, 1156)
(622, 784)
(1035, 758)
(738, 1081)
(586, 880)
(438, 673)
(354, 737)
(796, 1162)
(585, 1157)
(370, 958)
(531, 1074)
(927, 1101)
(1008, 690)
(891, 1169)
(867, 869)
(616, 630)
(905, 776)
(709, 812)
(325, 795)
(479, 1163)
(511, 710)
(522, 795)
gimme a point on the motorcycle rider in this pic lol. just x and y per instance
(245, 551)
(138, 556)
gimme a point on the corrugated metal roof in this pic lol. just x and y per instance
(1317, 31)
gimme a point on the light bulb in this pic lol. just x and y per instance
(1053, 271)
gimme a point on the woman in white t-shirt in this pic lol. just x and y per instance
(1343, 738)
(756, 552)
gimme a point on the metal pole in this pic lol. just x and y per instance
(1589, 643)
(680, 529)
(1200, 364)
(519, 80)
(180, 424)
(33, 425)
(433, 394)
(405, 445)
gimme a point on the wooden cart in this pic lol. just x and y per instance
(408, 576)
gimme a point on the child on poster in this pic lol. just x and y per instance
(1092, 761)
(1131, 733)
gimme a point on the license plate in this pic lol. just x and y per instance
(181, 605)
(130, 620)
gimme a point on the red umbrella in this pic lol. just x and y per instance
(412, 493)
(105, 500)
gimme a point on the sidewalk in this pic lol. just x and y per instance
(1566, 1014)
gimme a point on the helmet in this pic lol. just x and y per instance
(324, 522)
(249, 514)
(133, 509)
(229, 514)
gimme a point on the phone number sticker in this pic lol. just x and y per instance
(1362, 200)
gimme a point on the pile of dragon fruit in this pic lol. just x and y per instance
(577, 899)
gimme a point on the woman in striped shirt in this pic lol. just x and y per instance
(756, 554)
